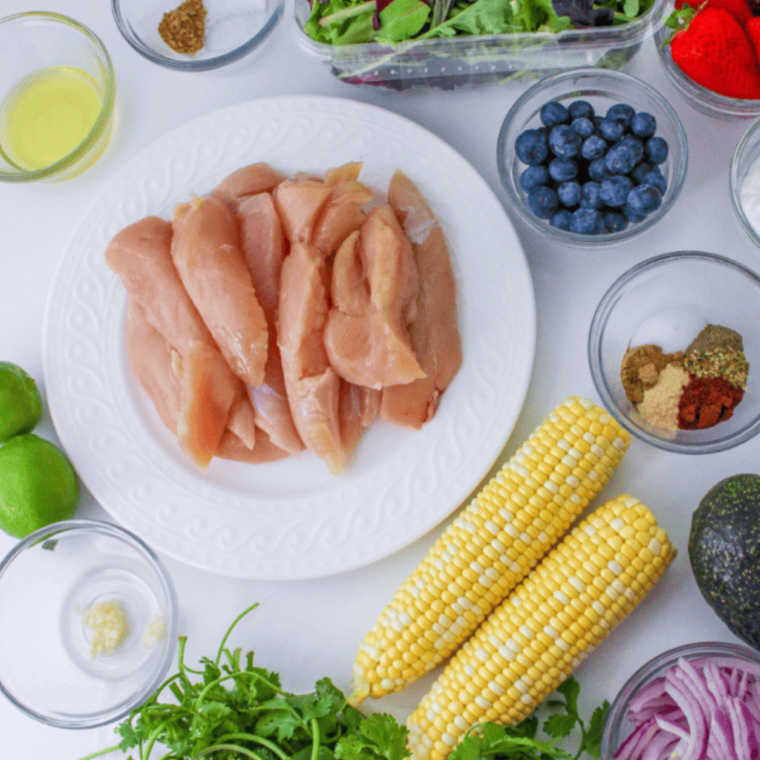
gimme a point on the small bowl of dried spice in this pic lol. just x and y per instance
(674, 351)
(197, 35)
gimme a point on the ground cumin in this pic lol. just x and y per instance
(184, 29)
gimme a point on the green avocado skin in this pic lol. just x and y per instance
(724, 551)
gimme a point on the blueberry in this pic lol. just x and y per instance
(611, 130)
(554, 113)
(542, 201)
(580, 109)
(564, 142)
(622, 113)
(583, 126)
(614, 221)
(561, 220)
(563, 169)
(614, 190)
(597, 170)
(623, 156)
(656, 150)
(587, 221)
(532, 177)
(591, 195)
(642, 200)
(593, 147)
(531, 146)
(637, 146)
(633, 216)
(657, 179)
(640, 171)
(643, 124)
(569, 194)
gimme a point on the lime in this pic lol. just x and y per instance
(20, 401)
(38, 485)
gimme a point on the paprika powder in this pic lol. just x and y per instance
(706, 401)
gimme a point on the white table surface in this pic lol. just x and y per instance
(308, 629)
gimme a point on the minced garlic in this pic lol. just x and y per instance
(155, 632)
(109, 625)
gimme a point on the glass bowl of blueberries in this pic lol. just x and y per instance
(592, 157)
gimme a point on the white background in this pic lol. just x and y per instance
(310, 629)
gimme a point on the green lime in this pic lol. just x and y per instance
(38, 485)
(20, 402)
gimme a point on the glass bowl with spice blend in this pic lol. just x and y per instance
(674, 351)
(197, 35)
(98, 610)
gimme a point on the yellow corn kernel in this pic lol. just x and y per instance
(525, 688)
(494, 542)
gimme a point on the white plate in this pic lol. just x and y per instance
(289, 519)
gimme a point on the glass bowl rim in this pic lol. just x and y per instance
(575, 239)
(193, 65)
(167, 584)
(106, 109)
(642, 675)
(721, 105)
(733, 180)
(594, 343)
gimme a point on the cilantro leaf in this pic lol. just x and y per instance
(592, 741)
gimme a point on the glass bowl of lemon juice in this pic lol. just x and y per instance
(57, 94)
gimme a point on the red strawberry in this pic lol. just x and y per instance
(739, 9)
(714, 51)
(752, 30)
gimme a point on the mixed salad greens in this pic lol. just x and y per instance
(230, 709)
(345, 22)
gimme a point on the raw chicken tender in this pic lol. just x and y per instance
(263, 245)
(342, 214)
(434, 332)
(375, 285)
(206, 252)
(358, 408)
(313, 387)
(231, 447)
(251, 179)
(150, 359)
(156, 371)
(141, 255)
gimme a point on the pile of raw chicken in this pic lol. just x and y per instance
(281, 314)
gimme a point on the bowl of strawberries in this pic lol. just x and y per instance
(710, 50)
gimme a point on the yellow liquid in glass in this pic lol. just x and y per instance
(47, 115)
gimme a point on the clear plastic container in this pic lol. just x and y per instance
(447, 63)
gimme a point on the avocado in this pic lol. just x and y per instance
(724, 551)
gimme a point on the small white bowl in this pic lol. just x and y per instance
(235, 31)
(745, 189)
(47, 583)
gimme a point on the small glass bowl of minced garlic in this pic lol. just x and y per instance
(674, 352)
(93, 611)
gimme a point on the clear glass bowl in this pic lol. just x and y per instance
(745, 190)
(704, 100)
(468, 61)
(235, 31)
(617, 726)
(47, 584)
(34, 42)
(669, 295)
(602, 89)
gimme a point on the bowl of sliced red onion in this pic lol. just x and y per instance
(694, 702)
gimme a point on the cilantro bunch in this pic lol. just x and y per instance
(522, 742)
(230, 709)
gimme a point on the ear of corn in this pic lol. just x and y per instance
(493, 544)
(546, 627)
